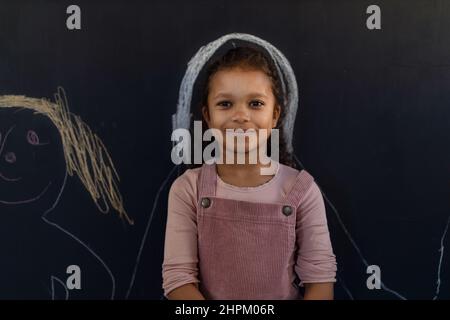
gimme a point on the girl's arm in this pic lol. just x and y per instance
(180, 265)
(316, 263)
(319, 291)
(187, 292)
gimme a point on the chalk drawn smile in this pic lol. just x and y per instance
(9, 179)
(28, 200)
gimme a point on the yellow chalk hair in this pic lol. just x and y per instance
(85, 153)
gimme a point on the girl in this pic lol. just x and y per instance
(233, 233)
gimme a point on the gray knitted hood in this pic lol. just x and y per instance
(182, 118)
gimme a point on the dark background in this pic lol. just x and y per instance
(372, 126)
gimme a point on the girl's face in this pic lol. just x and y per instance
(241, 99)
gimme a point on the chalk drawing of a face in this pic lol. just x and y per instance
(41, 144)
(31, 162)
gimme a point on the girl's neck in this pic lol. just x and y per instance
(243, 175)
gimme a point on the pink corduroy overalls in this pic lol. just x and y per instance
(246, 249)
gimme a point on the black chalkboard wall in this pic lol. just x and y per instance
(372, 128)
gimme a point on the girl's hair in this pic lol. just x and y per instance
(251, 59)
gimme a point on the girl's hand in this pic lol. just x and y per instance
(319, 291)
(187, 292)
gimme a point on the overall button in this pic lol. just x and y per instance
(205, 202)
(287, 210)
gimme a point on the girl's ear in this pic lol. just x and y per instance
(276, 115)
(205, 114)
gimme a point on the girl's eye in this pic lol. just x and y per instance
(225, 104)
(32, 138)
(256, 104)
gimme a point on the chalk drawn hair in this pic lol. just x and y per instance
(84, 152)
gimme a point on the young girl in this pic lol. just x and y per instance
(233, 233)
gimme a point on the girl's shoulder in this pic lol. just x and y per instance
(289, 173)
(289, 176)
(186, 184)
(284, 169)
(188, 177)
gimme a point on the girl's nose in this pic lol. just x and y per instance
(10, 157)
(241, 115)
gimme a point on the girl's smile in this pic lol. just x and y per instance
(241, 99)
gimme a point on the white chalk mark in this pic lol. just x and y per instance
(182, 118)
(52, 280)
(28, 200)
(352, 241)
(341, 281)
(6, 138)
(3, 177)
(441, 250)
(147, 230)
(113, 281)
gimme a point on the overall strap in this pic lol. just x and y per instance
(207, 181)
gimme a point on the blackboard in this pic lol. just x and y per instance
(372, 127)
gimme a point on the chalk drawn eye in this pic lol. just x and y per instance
(32, 138)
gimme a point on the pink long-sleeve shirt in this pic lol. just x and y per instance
(314, 261)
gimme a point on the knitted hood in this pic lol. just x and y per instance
(183, 117)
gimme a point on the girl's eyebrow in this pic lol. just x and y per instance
(229, 95)
(257, 95)
(222, 95)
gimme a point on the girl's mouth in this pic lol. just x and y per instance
(240, 131)
(9, 179)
